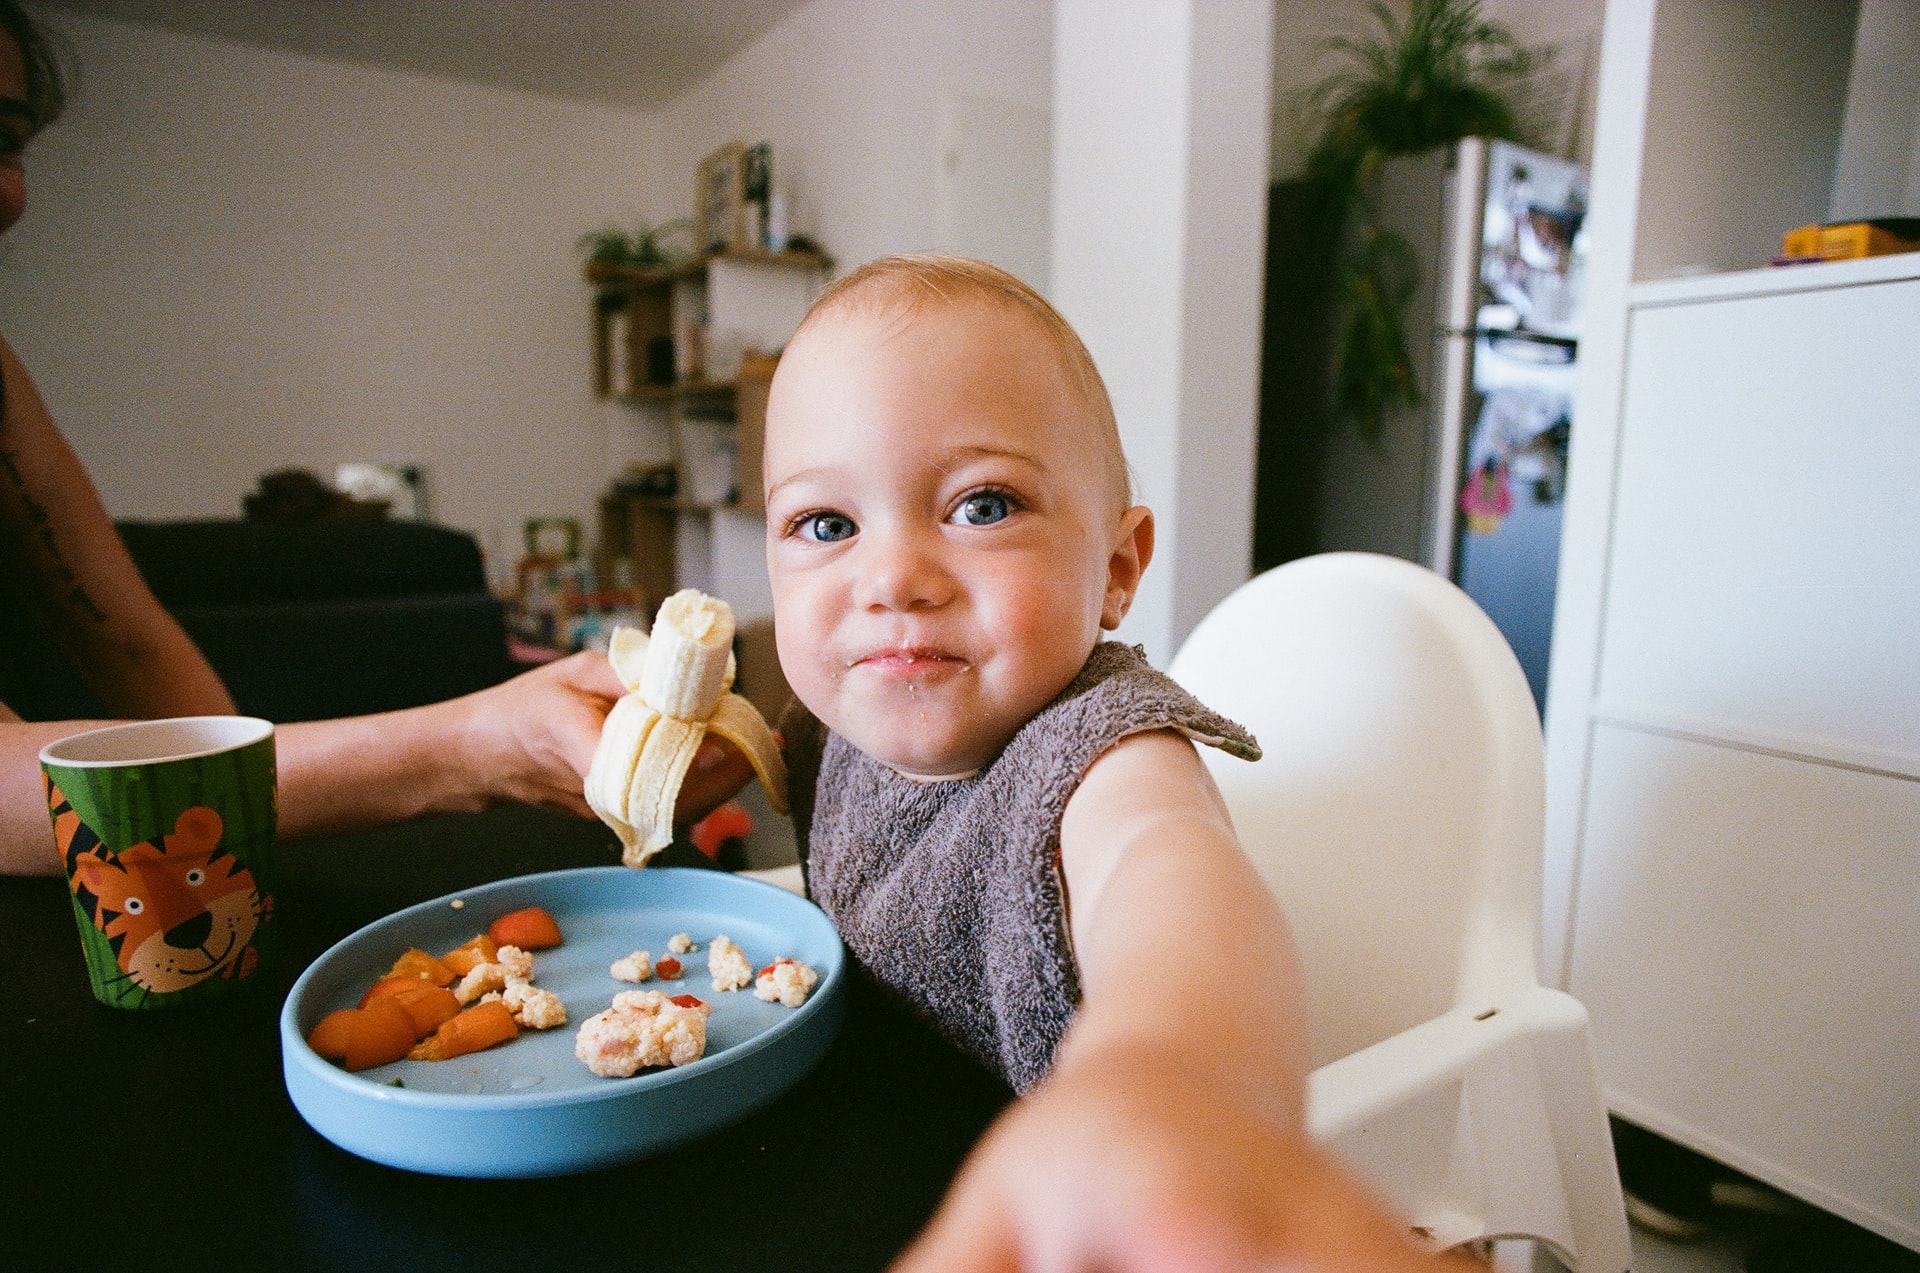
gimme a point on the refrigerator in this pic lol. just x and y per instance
(1471, 482)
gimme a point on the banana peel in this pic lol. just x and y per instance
(679, 680)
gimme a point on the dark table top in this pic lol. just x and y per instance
(166, 1140)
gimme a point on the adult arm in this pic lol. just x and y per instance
(1171, 1132)
(60, 549)
(529, 740)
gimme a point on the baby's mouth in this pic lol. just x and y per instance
(909, 660)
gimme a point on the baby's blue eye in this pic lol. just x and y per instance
(984, 509)
(827, 528)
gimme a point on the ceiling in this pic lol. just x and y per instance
(635, 54)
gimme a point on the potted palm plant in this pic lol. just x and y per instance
(1406, 84)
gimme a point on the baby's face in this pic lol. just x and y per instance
(939, 532)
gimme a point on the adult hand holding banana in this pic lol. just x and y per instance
(679, 681)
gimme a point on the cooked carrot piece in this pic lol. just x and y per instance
(381, 1032)
(429, 1006)
(529, 929)
(418, 963)
(330, 1037)
(389, 986)
(470, 954)
(479, 1027)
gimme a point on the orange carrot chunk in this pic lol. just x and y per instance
(429, 1006)
(419, 964)
(330, 1037)
(388, 987)
(529, 929)
(481, 1026)
(470, 954)
(381, 1032)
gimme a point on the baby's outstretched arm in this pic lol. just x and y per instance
(1170, 1134)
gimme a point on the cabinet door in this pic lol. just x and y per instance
(1764, 579)
(1748, 944)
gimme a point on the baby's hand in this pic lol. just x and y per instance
(1124, 1163)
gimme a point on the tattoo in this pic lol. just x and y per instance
(66, 578)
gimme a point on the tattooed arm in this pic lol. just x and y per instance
(59, 549)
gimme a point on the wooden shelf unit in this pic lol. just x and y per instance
(754, 300)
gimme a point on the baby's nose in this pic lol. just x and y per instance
(904, 573)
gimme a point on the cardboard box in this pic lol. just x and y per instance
(1847, 241)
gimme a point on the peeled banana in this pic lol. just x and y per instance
(679, 680)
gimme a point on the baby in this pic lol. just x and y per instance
(1005, 816)
(949, 531)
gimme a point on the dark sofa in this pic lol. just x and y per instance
(302, 621)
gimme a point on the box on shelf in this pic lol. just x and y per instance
(1850, 240)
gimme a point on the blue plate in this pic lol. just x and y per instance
(529, 1107)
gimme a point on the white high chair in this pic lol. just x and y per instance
(1397, 815)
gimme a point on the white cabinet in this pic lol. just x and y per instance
(1733, 721)
(1747, 925)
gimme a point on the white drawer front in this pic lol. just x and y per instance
(1748, 944)
(1764, 576)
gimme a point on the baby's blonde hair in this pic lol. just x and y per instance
(911, 282)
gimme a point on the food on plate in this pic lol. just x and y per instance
(635, 967)
(728, 964)
(530, 928)
(426, 1003)
(418, 963)
(470, 954)
(361, 1038)
(475, 996)
(785, 981)
(483, 979)
(679, 680)
(477, 1028)
(643, 1029)
(532, 1007)
(682, 944)
(668, 969)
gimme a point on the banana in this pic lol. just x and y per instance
(679, 680)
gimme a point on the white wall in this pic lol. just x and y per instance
(1729, 169)
(236, 260)
(1878, 171)
(850, 93)
(1160, 112)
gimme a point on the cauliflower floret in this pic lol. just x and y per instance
(484, 977)
(681, 944)
(728, 964)
(534, 1008)
(635, 967)
(518, 963)
(785, 981)
(643, 1028)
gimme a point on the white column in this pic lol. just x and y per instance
(1161, 119)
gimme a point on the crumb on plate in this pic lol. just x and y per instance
(785, 981)
(728, 964)
(635, 967)
(534, 1008)
(643, 1028)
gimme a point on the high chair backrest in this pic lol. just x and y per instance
(1397, 810)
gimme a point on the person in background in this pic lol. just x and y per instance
(529, 739)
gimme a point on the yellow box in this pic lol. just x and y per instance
(1845, 241)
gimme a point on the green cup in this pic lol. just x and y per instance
(166, 829)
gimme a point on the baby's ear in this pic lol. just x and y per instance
(1133, 549)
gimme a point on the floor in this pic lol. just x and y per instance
(1651, 1254)
(1720, 1252)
